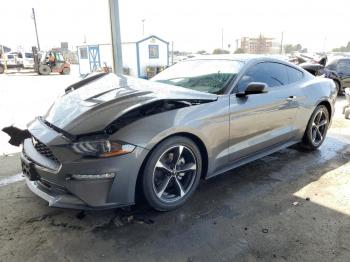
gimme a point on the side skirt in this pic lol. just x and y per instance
(251, 158)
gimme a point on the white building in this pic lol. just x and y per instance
(151, 51)
(93, 57)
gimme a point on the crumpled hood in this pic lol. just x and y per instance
(93, 106)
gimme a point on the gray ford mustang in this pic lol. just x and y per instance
(109, 138)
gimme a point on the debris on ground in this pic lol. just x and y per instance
(265, 230)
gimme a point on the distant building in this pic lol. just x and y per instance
(143, 58)
(64, 46)
(259, 45)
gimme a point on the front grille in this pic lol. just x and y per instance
(44, 150)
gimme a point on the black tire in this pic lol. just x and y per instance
(66, 71)
(337, 87)
(2, 69)
(44, 70)
(178, 186)
(313, 139)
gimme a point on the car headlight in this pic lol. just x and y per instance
(102, 148)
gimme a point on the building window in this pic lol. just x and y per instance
(83, 53)
(153, 51)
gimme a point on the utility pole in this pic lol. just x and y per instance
(36, 29)
(5, 61)
(172, 52)
(143, 27)
(281, 48)
(222, 38)
(116, 39)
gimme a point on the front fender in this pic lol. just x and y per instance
(208, 122)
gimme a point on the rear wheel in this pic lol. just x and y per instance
(316, 129)
(172, 173)
(337, 87)
(44, 70)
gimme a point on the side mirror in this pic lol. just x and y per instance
(253, 88)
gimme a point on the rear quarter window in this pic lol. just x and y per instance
(294, 75)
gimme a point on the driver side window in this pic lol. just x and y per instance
(272, 74)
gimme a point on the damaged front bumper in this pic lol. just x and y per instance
(53, 180)
(56, 195)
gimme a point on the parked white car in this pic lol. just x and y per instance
(26, 59)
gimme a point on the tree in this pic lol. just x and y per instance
(219, 51)
(298, 47)
(289, 48)
(348, 46)
(342, 48)
(239, 51)
(202, 52)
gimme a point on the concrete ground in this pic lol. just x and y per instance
(289, 206)
(26, 95)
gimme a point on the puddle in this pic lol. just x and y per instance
(11, 179)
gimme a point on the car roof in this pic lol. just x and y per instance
(247, 59)
(241, 57)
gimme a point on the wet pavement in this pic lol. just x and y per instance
(289, 206)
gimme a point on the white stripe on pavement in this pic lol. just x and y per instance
(11, 179)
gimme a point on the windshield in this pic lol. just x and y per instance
(28, 55)
(210, 76)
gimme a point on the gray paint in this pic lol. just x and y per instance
(233, 130)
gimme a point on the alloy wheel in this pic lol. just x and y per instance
(319, 127)
(174, 173)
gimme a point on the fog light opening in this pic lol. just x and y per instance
(92, 177)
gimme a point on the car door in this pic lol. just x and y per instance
(343, 70)
(265, 120)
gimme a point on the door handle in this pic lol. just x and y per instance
(291, 98)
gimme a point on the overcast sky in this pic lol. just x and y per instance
(192, 25)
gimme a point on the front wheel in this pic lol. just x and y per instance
(44, 70)
(316, 129)
(172, 173)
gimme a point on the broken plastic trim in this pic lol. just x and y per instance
(17, 136)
